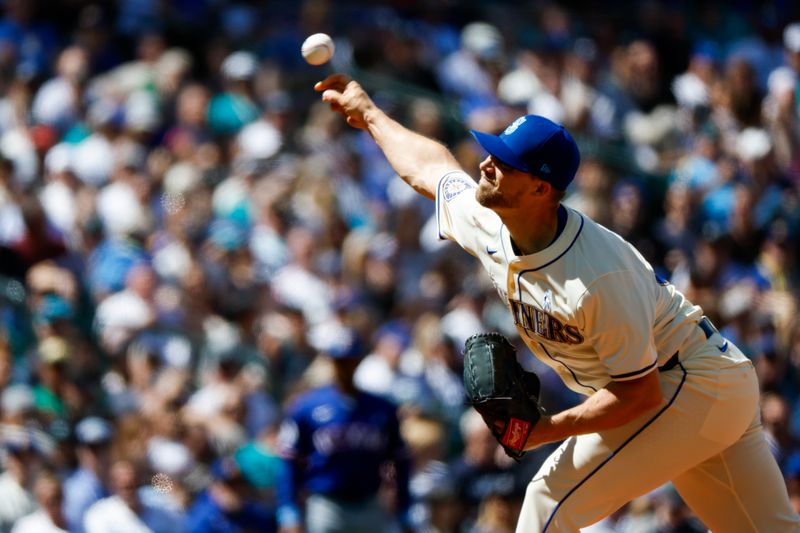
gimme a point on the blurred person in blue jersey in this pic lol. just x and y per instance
(342, 447)
(229, 504)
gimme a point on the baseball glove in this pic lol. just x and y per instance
(505, 395)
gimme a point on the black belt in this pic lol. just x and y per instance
(708, 330)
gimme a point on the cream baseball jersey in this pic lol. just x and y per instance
(589, 305)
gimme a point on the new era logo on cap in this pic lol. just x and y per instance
(535, 145)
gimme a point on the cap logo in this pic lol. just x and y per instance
(514, 125)
(545, 169)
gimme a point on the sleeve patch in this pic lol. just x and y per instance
(455, 185)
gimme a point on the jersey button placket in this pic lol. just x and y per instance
(512, 281)
(514, 266)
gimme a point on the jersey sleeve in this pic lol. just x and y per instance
(457, 209)
(618, 320)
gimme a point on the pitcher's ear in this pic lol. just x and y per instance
(541, 187)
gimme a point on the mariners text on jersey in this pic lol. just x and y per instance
(536, 321)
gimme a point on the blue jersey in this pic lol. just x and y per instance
(337, 445)
(206, 516)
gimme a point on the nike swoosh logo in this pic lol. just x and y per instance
(724, 347)
(490, 252)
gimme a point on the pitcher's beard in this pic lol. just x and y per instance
(490, 197)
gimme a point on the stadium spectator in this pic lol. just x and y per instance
(48, 518)
(89, 483)
(21, 464)
(228, 504)
(131, 508)
(331, 432)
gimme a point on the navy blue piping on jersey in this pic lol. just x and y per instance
(562, 216)
(567, 367)
(521, 272)
(634, 373)
(519, 289)
(619, 449)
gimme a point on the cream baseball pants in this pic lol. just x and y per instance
(705, 438)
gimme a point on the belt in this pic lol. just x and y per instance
(708, 330)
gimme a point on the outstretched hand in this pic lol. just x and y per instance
(347, 98)
(418, 160)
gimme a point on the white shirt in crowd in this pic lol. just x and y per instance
(15, 501)
(112, 515)
(38, 522)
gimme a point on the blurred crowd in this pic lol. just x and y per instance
(186, 231)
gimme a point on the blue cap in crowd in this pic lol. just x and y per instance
(535, 145)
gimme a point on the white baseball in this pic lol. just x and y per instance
(317, 49)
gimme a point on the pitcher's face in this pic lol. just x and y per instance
(501, 186)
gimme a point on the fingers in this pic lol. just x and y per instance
(332, 96)
(340, 92)
(337, 82)
(334, 99)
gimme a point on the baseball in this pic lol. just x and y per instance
(317, 49)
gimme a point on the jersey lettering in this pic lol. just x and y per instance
(535, 320)
(351, 437)
(573, 333)
(555, 331)
(521, 315)
(542, 322)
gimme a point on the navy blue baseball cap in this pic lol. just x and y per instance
(535, 145)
